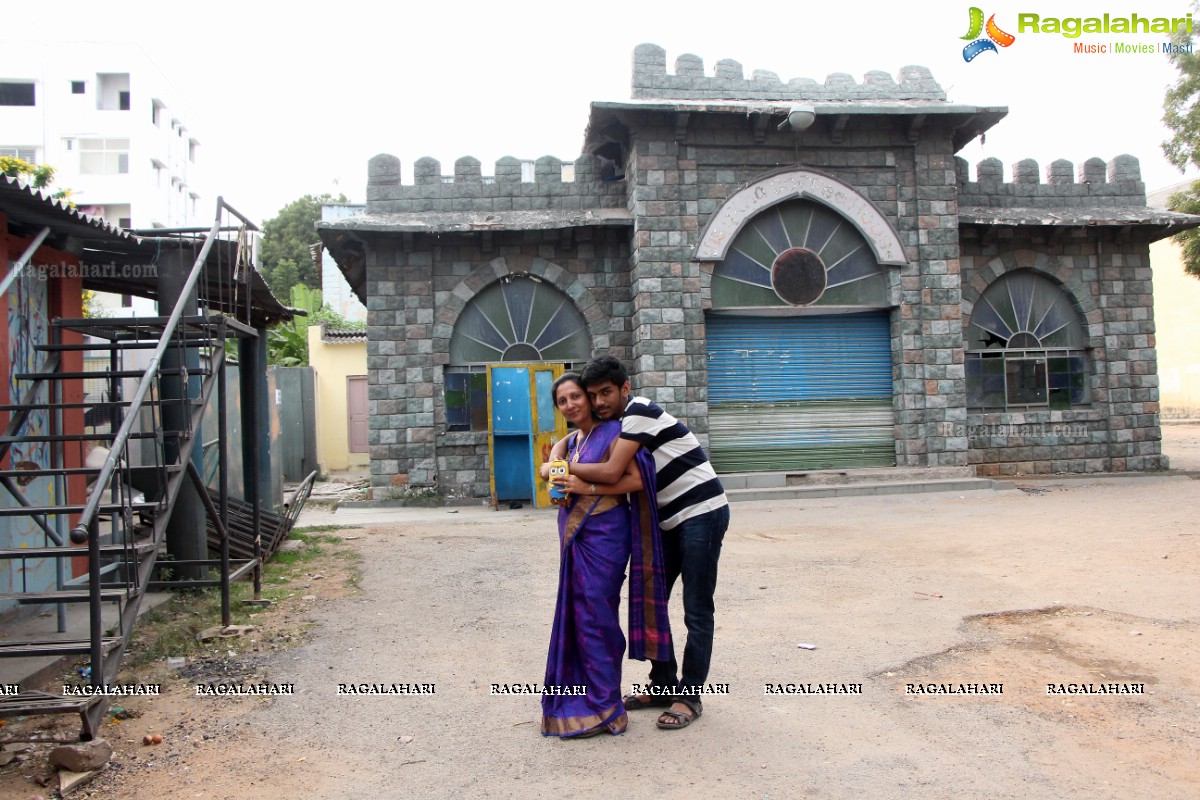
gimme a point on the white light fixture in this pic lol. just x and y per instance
(801, 117)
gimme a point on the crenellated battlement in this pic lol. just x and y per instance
(1117, 182)
(547, 183)
(652, 81)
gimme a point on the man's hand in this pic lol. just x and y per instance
(609, 471)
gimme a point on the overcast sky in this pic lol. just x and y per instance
(292, 100)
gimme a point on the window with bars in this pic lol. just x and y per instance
(1026, 347)
(1020, 380)
(466, 398)
(466, 393)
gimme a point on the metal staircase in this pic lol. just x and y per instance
(149, 449)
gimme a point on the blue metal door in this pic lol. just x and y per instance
(512, 433)
(523, 427)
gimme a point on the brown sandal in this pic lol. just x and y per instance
(671, 719)
(636, 702)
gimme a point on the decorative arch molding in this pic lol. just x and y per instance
(450, 309)
(1050, 266)
(789, 183)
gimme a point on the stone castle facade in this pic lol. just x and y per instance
(805, 272)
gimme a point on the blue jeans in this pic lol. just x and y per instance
(692, 549)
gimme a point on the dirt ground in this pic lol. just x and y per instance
(1079, 581)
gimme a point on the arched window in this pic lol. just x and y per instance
(518, 318)
(799, 253)
(1026, 346)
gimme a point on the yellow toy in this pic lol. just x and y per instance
(559, 470)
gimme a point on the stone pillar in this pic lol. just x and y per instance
(400, 308)
(931, 398)
(668, 317)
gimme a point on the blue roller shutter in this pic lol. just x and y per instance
(812, 392)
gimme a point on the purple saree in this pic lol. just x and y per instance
(597, 536)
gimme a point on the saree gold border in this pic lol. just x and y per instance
(562, 726)
(650, 600)
(577, 515)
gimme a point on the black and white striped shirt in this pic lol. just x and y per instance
(687, 484)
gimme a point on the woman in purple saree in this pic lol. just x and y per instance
(601, 529)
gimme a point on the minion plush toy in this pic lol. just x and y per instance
(558, 471)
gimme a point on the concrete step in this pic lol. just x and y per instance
(866, 488)
(837, 477)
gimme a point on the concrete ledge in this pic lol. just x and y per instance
(836, 477)
(435, 502)
(866, 489)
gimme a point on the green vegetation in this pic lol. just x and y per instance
(40, 176)
(1182, 116)
(286, 256)
(287, 343)
(171, 630)
(423, 496)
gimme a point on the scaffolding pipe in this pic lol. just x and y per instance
(25, 258)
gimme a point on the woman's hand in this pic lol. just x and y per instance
(574, 485)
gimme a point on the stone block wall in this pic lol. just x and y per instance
(1110, 283)
(668, 321)
(1093, 184)
(468, 190)
(677, 183)
(400, 367)
(728, 82)
(644, 297)
(416, 292)
(930, 387)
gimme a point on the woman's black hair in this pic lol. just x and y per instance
(564, 378)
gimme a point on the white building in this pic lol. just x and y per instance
(105, 117)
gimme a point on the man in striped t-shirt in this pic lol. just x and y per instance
(693, 515)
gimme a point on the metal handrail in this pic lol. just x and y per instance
(79, 534)
(299, 497)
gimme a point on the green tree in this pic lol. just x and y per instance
(287, 237)
(40, 175)
(1181, 113)
(287, 343)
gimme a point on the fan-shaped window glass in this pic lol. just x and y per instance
(799, 253)
(1026, 346)
(519, 318)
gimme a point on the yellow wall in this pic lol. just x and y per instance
(1177, 332)
(332, 364)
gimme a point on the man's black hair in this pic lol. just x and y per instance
(604, 368)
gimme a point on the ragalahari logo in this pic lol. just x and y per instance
(995, 36)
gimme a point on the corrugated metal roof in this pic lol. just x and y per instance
(329, 336)
(34, 207)
(101, 244)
